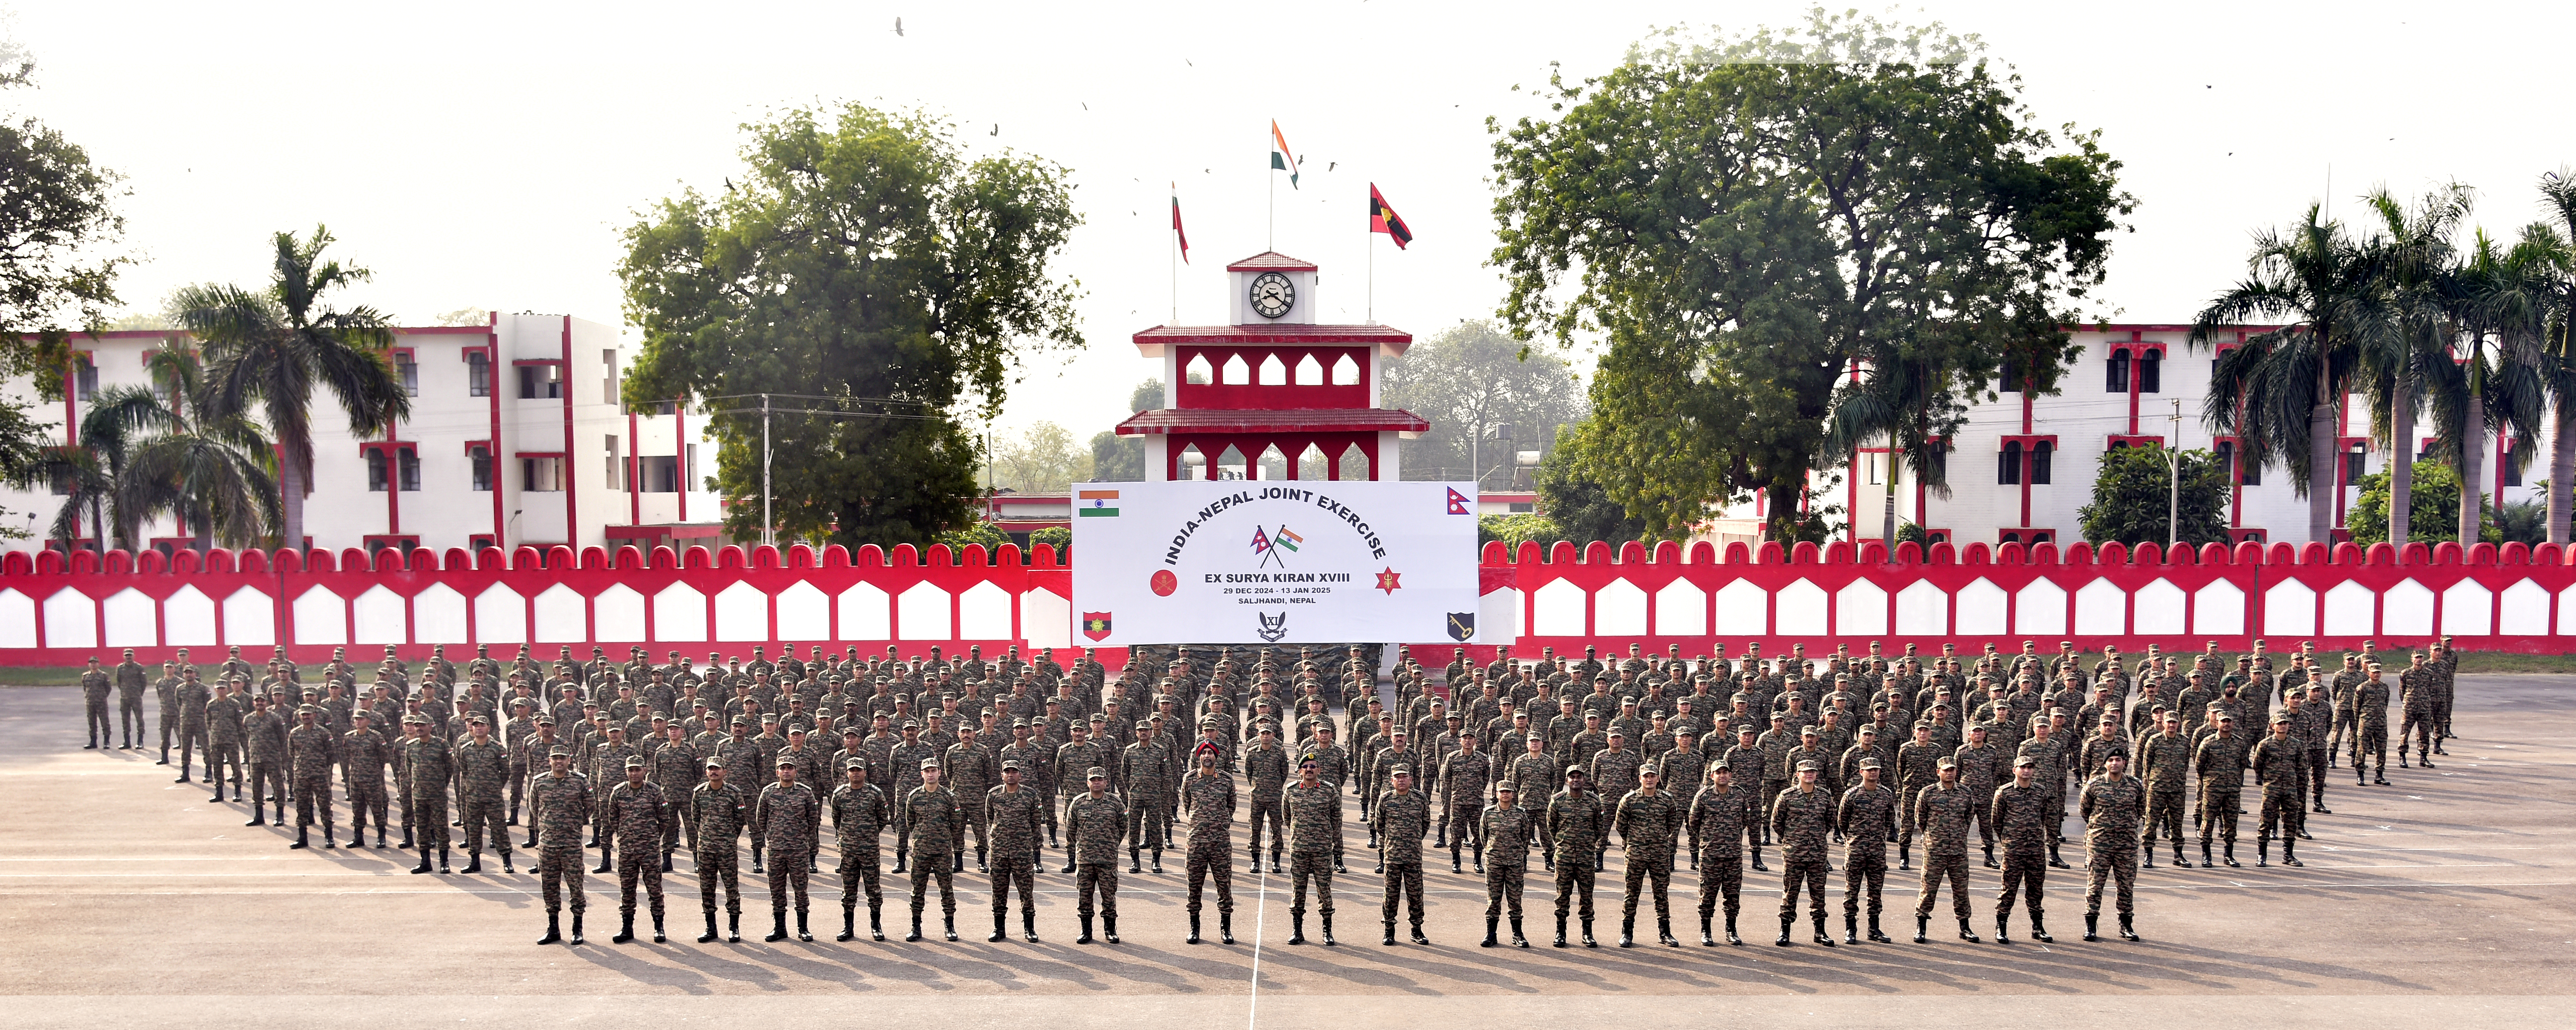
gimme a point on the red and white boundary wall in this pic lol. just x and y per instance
(58, 611)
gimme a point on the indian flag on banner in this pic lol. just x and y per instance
(1286, 539)
(1096, 504)
(1281, 158)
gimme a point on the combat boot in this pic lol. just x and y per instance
(1990, 857)
(2263, 854)
(330, 837)
(1966, 934)
(900, 858)
(1587, 935)
(2092, 922)
(658, 938)
(1519, 940)
(666, 861)
(625, 928)
(1628, 932)
(442, 868)
(1133, 864)
(1785, 923)
(2230, 856)
(1158, 860)
(2055, 862)
(1874, 934)
(849, 925)
(474, 863)
(2127, 932)
(302, 840)
(1418, 938)
(554, 928)
(1851, 929)
(576, 929)
(2290, 855)
(709, 937)
(1296, 928)
(423, 867)
(380, 836)
(1664, 932)
(259, 811)
(2039, 930)
(1109, 928)
(2003, 930)
(2151, 855)
(807, 935)
(1560, 932)
(2205, 862)
(603, 862)
(506, 867)
(1905, 856)
(876, 923)
(1029, 928)
(777, 926)
(1001, 919)
(1922, 929)
(948, 926)
(733, 927)
(529, 843)
(1705, 940)
(1390, 934)
(1731, 939)
(358, 838)
(1224, 928)
(1327, 929)
(1822, 937)
(408, 845)
(1194, 929)
(1454, 865)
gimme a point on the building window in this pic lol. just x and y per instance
(2249, 473)
(2115, 373)
(376, 470)
(610, 477)
(2150, 372)
(62, 485)
(407, 468)
(658, 475)
(540, 382)
(2008, 465)
(480, 541)
(1523, 507)
(2039, 455)
(482, 461)
(408, 371)
(478, 374)
(2353, 463)
(2227, 458)
(689, 474)
(541, 475)
(85, 377)
(666, 407)
(608, 376)
(2512, 471)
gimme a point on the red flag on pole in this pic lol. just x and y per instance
(1176, 223)
(1382, 218)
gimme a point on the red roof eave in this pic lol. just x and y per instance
(1167, 421)
(1389, 342)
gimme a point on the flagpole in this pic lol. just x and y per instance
(1372, 277)
(1175, 255)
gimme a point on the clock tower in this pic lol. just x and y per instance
(1275, 384)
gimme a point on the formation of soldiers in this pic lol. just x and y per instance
(1708, 761)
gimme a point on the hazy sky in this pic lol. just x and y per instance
(486, 155)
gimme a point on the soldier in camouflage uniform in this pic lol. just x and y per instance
(2220, 763)
(1265, 765)
(363, 756)
(1575, 825)
(1146, 774)
(558, 805)
(1942, 812)
(131, 679)
(1093, 825)
(2280, 768)
(859, 814)
(265, 731)
(1207, 799)
(1016, 812)
(2112, 806)
(309, 751)
(785, 820)
(1867, 818)
(718, 813)
(931, 819)
(639, 814)
(2370, 729)
(1649, 821)
(427, 769)
(194, 696)
(2021, 819)
(1719, 815)
(1507, 830)
(1314, 808)
(2164, 767)
(482, 782)
(970, 770)
(1801, 820)
(96, 685)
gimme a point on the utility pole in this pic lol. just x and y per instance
(2173, 478)
(768, 525)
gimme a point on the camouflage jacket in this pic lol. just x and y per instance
(859, 815)
(1209, 802)
(787, 818)
(1575, 825)
(721, 814)
(1801, 821)
(1648, 824)
(2020, 817)
(637, 815)
(557, 807)
(1015, 821)
(1507, 834)
(1314, 818)
(1093, 827)
(1942, 814)
(932, 819)
(2113, 810)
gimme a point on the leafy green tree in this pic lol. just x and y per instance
(2133, 497)
(1469, 381)
(976, 532)
(1525, 527)
(1738, 223)
(215, 474)
(1059, 537)
(1121, 459)
(873, 281)
(1579, 505)
(1044, 460)
(55, 224)
(2405, 325)
(267, 351)
(2435, 499)
(22, 456)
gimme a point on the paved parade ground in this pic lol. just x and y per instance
(2450, 895)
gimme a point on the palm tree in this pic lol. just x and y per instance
(268, 350)
(2499, 303)
(2279, 392)
(216, 475)
(2406, 342)
(2558, 195)
(1903, 401)
(88, 471)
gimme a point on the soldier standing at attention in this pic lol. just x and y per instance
(1718, 817)
(1917, 764)
(1801, 820)
(2220, 761)
(131, 679)
(2164, 762)
(1207, 799)
(970, 771)
(2111, 806)
(2280, 769)
(717, 813)
(363, 756)
(675, 768)
(786, 819)
(2021, 818)
(1016, 812)
(1867, 818)
(558, 804)
(224, 738)
(308, 749)
(1093, 826)
(193, 696)
(266, 732)
(1649, 821)
(1147, 775)
(2370, 728)
(96, 685)
(1506, 829)
(428, 767)
(2416, 687)
(1942, 812)
(1314, 827)
(1265, 764)
(1575, 825)
(482, 777)
(638, 817)
(1401, 817)
(859, 814)
(1464, 774)
(930, 819)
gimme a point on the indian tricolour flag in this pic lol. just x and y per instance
(1281, 158)
(1096, 504)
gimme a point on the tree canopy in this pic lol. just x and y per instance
(1469, 381)
(55, 224)
(2134, 502)
(875, 282)
(1738, 223)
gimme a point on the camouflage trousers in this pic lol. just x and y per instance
(1721, 878)
(970, 809)
(1643, 869)
(787, 875)
(1214, 858)
(1270, 811)
(928, 866)
(427, 814)
(630, 867)
(556, 868)
(1865, 874)
(2218, 802)
(1944, 864)
(2418, 727)
(2370, 741)
(1461, 827)
(1148, 821)
(192, 739)
(484, 812)
(221, 753)
(715, 865)
(1574, 877)
(2343, 723)
(2282, 811)
(365, 799)
(99, 727)
(1095, 882)
(1796, 873)
(129, 719)
(312, 792)
(169, 727)
(2317, 774)
(519, 788)
(1503, 889)
(1310, 865)
(268, 781)
(1403, 883)
(1014, 868)
(2164, 815)
(858, 871)
(2115, 860)
(2026, 874)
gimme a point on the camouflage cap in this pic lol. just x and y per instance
(477, 719)
(545, 720)
(1012, 765)
(912, 724)
(1946, 762)
(561, 752)
(785, 760)
(2025, 760)
(930, 763)
(712, 763)
(742, 720)
(1401, 770)
(1095, 773)
(1869, 763)
(854, 762)
(634, 761)
(1808, 766)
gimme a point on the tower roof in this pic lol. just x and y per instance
(1271, 261)
(1388, 342)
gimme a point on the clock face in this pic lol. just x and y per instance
(1272, 294)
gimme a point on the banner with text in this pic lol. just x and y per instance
(1274, 562)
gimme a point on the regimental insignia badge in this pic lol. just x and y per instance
(1462, 625)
